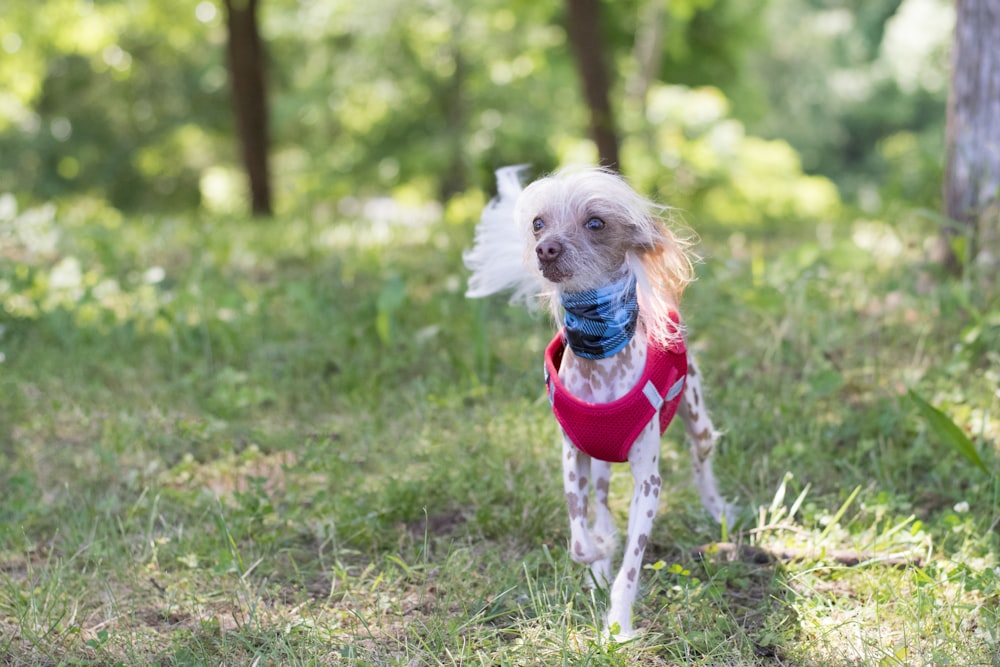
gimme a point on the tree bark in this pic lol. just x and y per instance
(648, 50)
(455, 178)
(972, 168)
(245, 53)
(583, 26)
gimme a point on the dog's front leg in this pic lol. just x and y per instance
(604, 527)
(644, 460)
(576, 467)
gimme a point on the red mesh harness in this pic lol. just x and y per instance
(606, 431)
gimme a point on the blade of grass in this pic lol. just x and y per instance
(945, 429)
(840, 513)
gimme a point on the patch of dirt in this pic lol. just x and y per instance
(437, 525)
(234, 473)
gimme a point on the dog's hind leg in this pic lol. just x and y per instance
(702, 436)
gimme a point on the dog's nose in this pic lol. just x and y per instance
(548, 250)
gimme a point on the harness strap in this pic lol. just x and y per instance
(653, 394)
(606, 431)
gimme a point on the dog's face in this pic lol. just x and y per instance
(583, 225)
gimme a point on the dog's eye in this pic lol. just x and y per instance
(594, 224)
(538, 224)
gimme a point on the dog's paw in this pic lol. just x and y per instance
(585, 547)
(605, 545)
(732, 513)
(584, 552)
(618, 631)
(599, 575)
(718, 508)
(723, 511)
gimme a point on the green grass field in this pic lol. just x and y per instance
(290, 443)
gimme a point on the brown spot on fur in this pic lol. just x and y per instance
(692, 371)
(591, 380)
(697, 400)
(578, 548)
(643, 539)
(573, 504)
(649, 513)
(646, 488)
(572, 476)
(603, 484)
(704, 434)
(583, 483)
(631, 574)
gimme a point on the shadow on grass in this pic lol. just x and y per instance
(719, 603)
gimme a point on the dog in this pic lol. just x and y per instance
(612, 273)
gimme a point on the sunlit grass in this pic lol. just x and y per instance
(299, 443)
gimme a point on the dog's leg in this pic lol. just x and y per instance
(702, 436)
(644, 461)
(604, 527)
(576, 467)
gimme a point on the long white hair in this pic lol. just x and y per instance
(502, 257)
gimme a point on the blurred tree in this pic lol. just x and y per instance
(426, 97)
(126, 101)
(972, 172)
(648, 50)
(858, 88)
(249, 94)
(116, 100)
(583, 26)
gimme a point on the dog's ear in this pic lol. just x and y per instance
(650, 238)
(650, 244)
(665, 257)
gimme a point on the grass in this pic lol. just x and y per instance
(297, 443)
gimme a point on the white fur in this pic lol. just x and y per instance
(497, 257)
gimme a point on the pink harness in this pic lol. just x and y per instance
(606, 431)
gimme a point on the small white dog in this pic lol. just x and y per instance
(618, 370)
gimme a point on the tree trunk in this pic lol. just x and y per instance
(972, 169)
(647, 51)
(246, 78)
(583, 26)
(455, 178)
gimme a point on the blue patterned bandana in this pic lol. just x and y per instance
(600, 322)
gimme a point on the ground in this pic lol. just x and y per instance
(227, 442)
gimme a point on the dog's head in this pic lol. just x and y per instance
(575, 230)
(586, 228)
(589, 227)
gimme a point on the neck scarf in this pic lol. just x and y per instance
(600, 322)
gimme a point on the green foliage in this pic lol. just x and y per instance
(127, 102)
(859, 89)
(717, 172)
(946, 430)
(365, 97)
